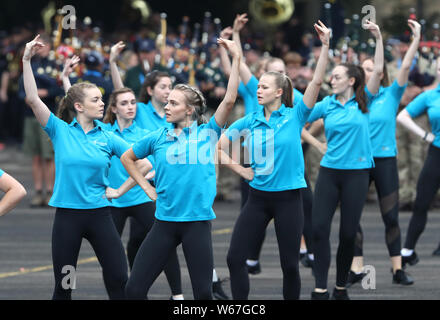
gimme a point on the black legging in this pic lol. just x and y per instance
(427, 187)
(386, 181)
(307, 201)
(96, 225)
(155, 251)
(285, 207)
(350, 188)
(142, 219)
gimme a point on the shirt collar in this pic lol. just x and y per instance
(336, 101)
(97, 124)
(154, 110)
(187, 130)
(281, 111)
(115, 127)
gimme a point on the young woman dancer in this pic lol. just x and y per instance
(13, 190)
(383, 110)
(429, 180)
(274, 187)
(83, 151)
(344, 173)
(186, 182)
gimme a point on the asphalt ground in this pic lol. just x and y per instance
(26, 265)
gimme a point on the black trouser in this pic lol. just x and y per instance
(142, 219)
(427, 187)
(350, 188)
(155, 251)
(96, 225)
(285, 207)
(386, 181)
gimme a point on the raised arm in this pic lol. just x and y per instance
(225, 107)
(14, 193)
(116, 76)
(402, 75)
(41, 111)
(128, 160)
(224, 57)
(69, 66)
(312, 90)
(239, 22)
(374, 81)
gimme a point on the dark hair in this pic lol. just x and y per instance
(66, 110)
(150, 82)
(283, 81)
(358, 74)
(385, 82)
(194, 98)
(110, 116)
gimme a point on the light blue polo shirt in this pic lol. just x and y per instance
(274, 146)
(252, 87)
(429, 102)
(118, 175)
(383, 110)
(1, 172)
(185, 171)
(148, 118)
(82, 163)
(347, 133)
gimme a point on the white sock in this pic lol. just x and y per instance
(214, 276)
(406, 252)
(252, 263)
(178, 297)
(302, 251)
(311, 256)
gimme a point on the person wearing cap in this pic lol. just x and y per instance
(13, 190)
(94, 62)
(36, 143)
(135, 76)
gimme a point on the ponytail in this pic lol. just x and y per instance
(66, 109)
(358, 74)
(283, 82)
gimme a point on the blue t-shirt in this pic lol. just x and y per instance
(185, 171)
(82, 163)
(148, 118)
(429, 102)
(274, 146)
(347, 133)
(118, 175)
(383, 110)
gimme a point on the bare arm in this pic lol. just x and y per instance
(239, 22)
(116, 76)
(312, 90)
(128, 160)
(402, 75)
(14, 193)
(406, 120)
(374, 81)
(41, 111)
(225, 159)
(225, 107)
(310, 139)
(224, 57)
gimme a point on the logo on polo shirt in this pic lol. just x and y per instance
(99, 143)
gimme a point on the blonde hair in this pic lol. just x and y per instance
(66, 109)
(110, 116)
(194, 98)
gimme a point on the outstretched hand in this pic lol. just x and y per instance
(373, 28)
(32, 48)
(70, 65)
(323, 33)
(229, 45)
(116, 50)
(415, 28)
(239, 22)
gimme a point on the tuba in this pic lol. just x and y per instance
(271, 12)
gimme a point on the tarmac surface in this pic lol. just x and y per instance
(26, 263)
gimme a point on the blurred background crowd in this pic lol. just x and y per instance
(180, 38)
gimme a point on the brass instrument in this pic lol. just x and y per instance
(271, 12)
